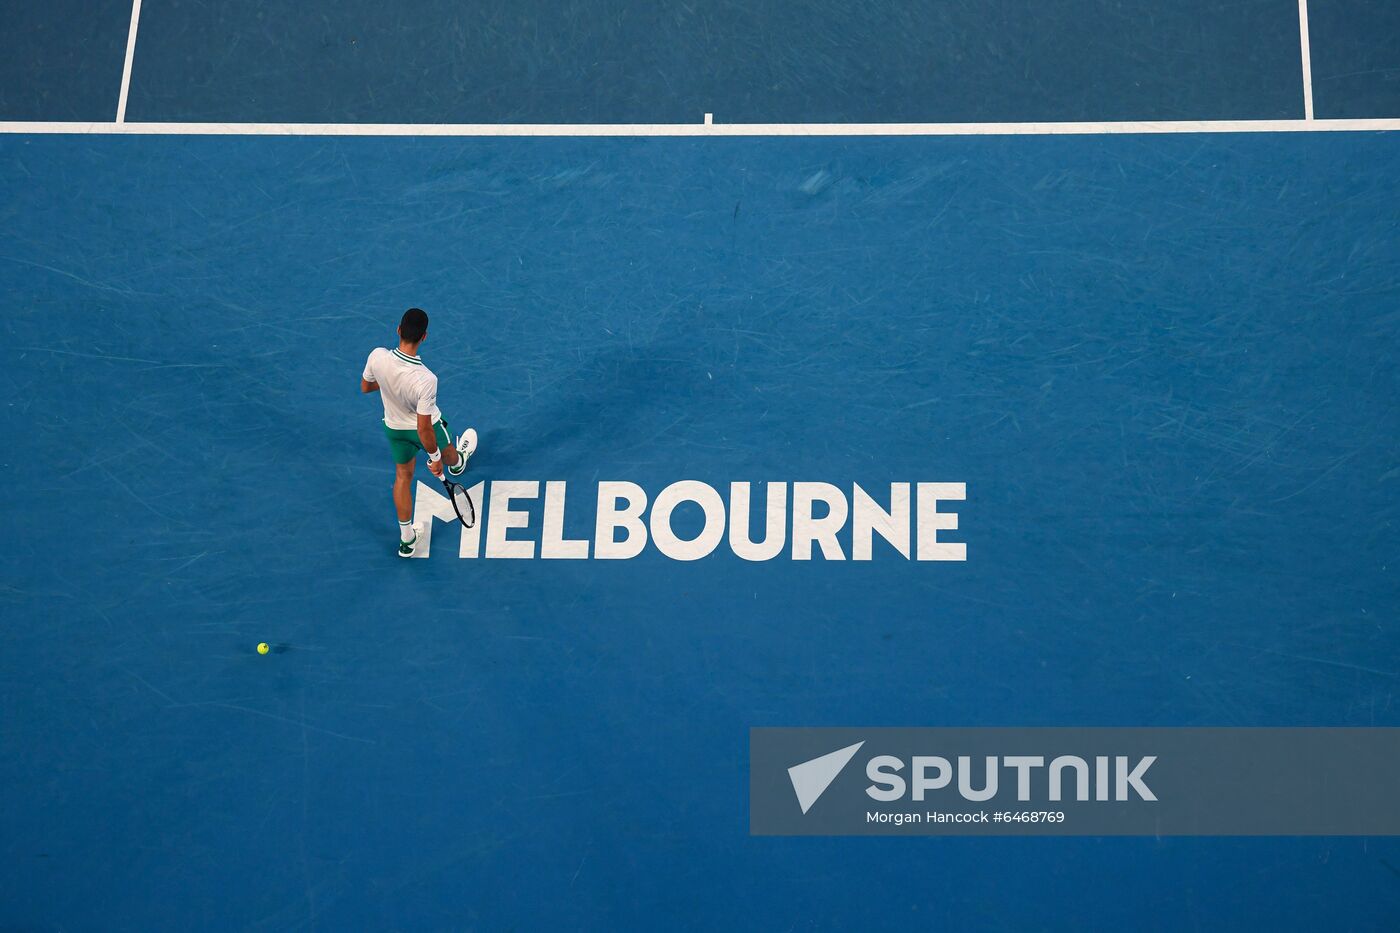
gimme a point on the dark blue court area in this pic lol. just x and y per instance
(1160, 373)
(637, 61)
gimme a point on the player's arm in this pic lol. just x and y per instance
(428, 439)
(425, 434)
(367, 381)
(427, 405)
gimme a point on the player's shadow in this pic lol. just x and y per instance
(609, 405)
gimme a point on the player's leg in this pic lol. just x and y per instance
(403, 447)
(451, 457)
(455, 455)
(403, 504)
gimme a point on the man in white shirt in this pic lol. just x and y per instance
(412, 420)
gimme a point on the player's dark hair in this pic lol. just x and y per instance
(414, 325)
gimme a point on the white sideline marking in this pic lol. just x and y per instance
(709, 119)
(1307, 59)
(130, 54)
(702, 129)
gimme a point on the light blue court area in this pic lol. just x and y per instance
(1164, 370)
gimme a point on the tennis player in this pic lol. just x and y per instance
(412, 420)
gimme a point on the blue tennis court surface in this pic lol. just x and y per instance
(1163, 369)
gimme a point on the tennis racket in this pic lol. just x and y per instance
(461, 502)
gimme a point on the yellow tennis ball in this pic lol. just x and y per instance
(263, 648)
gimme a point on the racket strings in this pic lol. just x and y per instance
(463, 504)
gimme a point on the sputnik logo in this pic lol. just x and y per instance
(811, 778)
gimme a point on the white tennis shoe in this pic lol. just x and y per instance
(466, 446)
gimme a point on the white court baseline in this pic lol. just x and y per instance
(704, 129)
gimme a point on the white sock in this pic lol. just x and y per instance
(406, 531)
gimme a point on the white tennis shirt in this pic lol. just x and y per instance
(407, 387)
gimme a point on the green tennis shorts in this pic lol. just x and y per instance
(404, 445)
